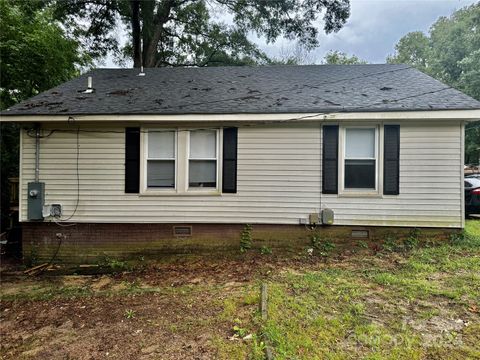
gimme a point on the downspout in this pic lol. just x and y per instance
(37, 152)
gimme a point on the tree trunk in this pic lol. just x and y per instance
(152, 30)
(137, 53)
(147, 13)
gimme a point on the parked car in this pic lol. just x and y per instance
(472, 196)
(475, 176)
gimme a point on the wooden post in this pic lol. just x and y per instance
(263, 302)
(264, 312)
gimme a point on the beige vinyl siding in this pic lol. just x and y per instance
(279, 180)
(430, 183)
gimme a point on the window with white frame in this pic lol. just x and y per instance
(180, 161)
(202, 161)
(360, 158)
(161, 159)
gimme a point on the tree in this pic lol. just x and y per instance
(450, 53)
(295, 54)
(35, 55)
(34, 52)
(189, 32)
(413, 49)
(340, 58)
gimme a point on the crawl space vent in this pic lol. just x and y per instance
(182, 231)
(360, 234)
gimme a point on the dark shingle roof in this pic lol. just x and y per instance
(266, 89)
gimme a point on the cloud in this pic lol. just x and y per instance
(375, 26)
(371, 32)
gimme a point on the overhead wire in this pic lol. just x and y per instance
(296, 87)
(262, 123)
(256, 123)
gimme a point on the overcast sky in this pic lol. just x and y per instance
(373, 29)
(375, 26)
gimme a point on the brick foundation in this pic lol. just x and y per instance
(88, 243)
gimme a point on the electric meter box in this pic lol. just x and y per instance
(36, 199)
(327, 216)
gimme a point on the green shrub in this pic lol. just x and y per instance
(246, 238)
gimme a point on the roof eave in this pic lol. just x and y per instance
(457, 114)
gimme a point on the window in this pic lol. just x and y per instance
(360, 158)
(180, 161)
(161, 156)
(202, 163)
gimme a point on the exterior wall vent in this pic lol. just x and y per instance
(360, 234)
(181, 231)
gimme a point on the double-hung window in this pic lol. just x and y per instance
(360, 158)
(202, 161)
(181, 161)
(161, 159)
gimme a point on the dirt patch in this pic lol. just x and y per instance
(75, 280)
(90, 328)
(101, 283)
(179, 308)
(437, 329)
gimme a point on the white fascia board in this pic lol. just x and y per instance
(466, 115)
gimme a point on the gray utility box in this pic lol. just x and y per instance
(327, 216)
(36, 199)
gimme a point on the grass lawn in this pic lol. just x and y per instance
(402, 302)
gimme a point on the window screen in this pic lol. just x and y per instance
(161, 159)
(202, 164)
(360, 158)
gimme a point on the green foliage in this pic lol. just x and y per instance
(450, 53)
(412, 240)
(469, 237)
(321, 246)
(35, 53)
(129, 314)
(340, 58)
(365, 303)
(114, 264)
(131, 286)
(238, 329)
(414, 49)
(265, 250)
(246, 238)
(390, 244)
(173, 33)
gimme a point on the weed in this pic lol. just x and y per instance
(467, 238)
(357, 309)
(115, 265)
(229, 308)
(265, 250)
(322, 246)
(246, 238)
(129, 314)
(238, 330)
(412, 241)
(362, 244)
(390, 244)
(251, 298)
(131, 285)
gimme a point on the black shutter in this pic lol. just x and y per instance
(132, 160)
(229, 181)
(391, 160)
(330, 160)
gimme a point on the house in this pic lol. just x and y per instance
(120, 161)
